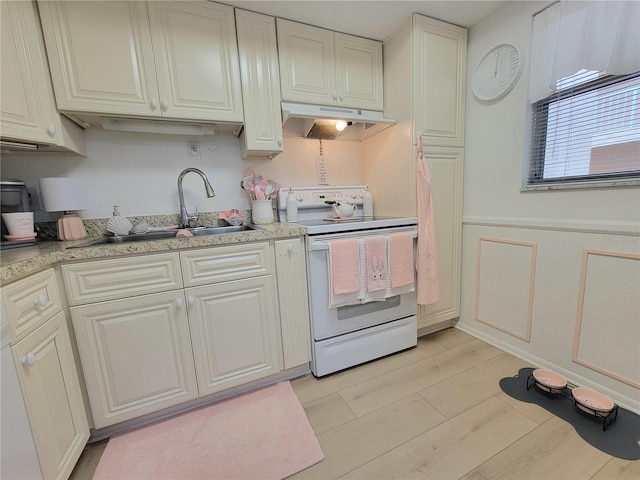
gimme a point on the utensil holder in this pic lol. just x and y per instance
(262, 212)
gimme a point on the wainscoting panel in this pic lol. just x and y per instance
(607, 333)
(504, 285)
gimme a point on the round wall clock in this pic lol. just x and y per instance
(497, 72)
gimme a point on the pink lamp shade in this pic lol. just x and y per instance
(61, 194)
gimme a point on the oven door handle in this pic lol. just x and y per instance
(319, 246)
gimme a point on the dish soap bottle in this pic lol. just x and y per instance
(292, 207)
(118, 225)
(367, 203)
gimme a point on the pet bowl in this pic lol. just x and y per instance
(549, 381)
(591, 401)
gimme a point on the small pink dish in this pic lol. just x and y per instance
(549, 381)
(592, 401)
(26, 236)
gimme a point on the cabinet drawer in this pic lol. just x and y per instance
(111, 279)
(221, 264)
(31, 302)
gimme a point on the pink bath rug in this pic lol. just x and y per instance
(261, 435)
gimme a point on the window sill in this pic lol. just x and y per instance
(609, 183)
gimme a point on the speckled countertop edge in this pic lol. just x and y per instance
(16, 263)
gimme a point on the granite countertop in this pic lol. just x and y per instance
(19, 262)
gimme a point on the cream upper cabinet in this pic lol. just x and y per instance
(28, 110)
(258, 54)
(157, 59)
(440, 59)
(46, 370)
(323, 67)
(196, 54)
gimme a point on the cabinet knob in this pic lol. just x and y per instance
(179, 303)
(28, 360)
(335, 95)
(40, 301)
(164, 105)
(279, 141)
(290, 248)
(51, 129)
(154, 103)
(341, 97)
(191, 301)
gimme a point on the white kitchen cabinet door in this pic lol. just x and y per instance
(101, 57)
(322, 67)
(234, 328)
(196, 55)
(28, 109)
(291, 270)
(258, 54)
(136, 355)
(446, 165)
(307, 63)
(440, 73)
(50, 387)
(358, 72)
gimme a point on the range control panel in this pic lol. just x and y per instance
(315, 197)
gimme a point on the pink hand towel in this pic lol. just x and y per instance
(344, 266)
(401, 259)
(375, 254)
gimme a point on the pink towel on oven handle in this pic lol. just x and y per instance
(401, 259)
(375, 249)
(344, 266)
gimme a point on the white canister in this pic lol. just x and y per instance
(262, 212)
(292, 207)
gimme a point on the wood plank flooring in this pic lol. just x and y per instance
(435, 412)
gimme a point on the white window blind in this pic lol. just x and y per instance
(589, 130)
(585, 92)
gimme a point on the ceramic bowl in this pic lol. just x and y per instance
(549, 381)
(591, 401)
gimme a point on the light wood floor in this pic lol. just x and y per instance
(435, 412)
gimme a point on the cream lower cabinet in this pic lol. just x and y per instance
(46, 371)
(49, 381)
(142, 351)
(291, 270)
(136, 355)
(234, 329)
(148, 59)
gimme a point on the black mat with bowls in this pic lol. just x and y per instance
(620, 435)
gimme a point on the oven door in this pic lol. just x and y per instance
(329, 322)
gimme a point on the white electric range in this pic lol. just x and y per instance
(348, 335)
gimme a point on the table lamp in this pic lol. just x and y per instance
(64, 195)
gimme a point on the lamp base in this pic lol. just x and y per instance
(70, 227)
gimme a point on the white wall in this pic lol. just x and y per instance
(139, 171)
(527, 273)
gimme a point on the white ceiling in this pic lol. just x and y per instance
(370, 18)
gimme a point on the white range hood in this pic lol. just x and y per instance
(319, 122)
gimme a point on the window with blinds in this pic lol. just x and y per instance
(588, 130)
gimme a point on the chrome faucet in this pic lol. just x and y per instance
(185, 218)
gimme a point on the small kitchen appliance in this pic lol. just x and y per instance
(14, 197)
(348, 335)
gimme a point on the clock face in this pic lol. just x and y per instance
(497, 72)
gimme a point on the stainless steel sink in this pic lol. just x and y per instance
(197, 232)
(146, 237)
